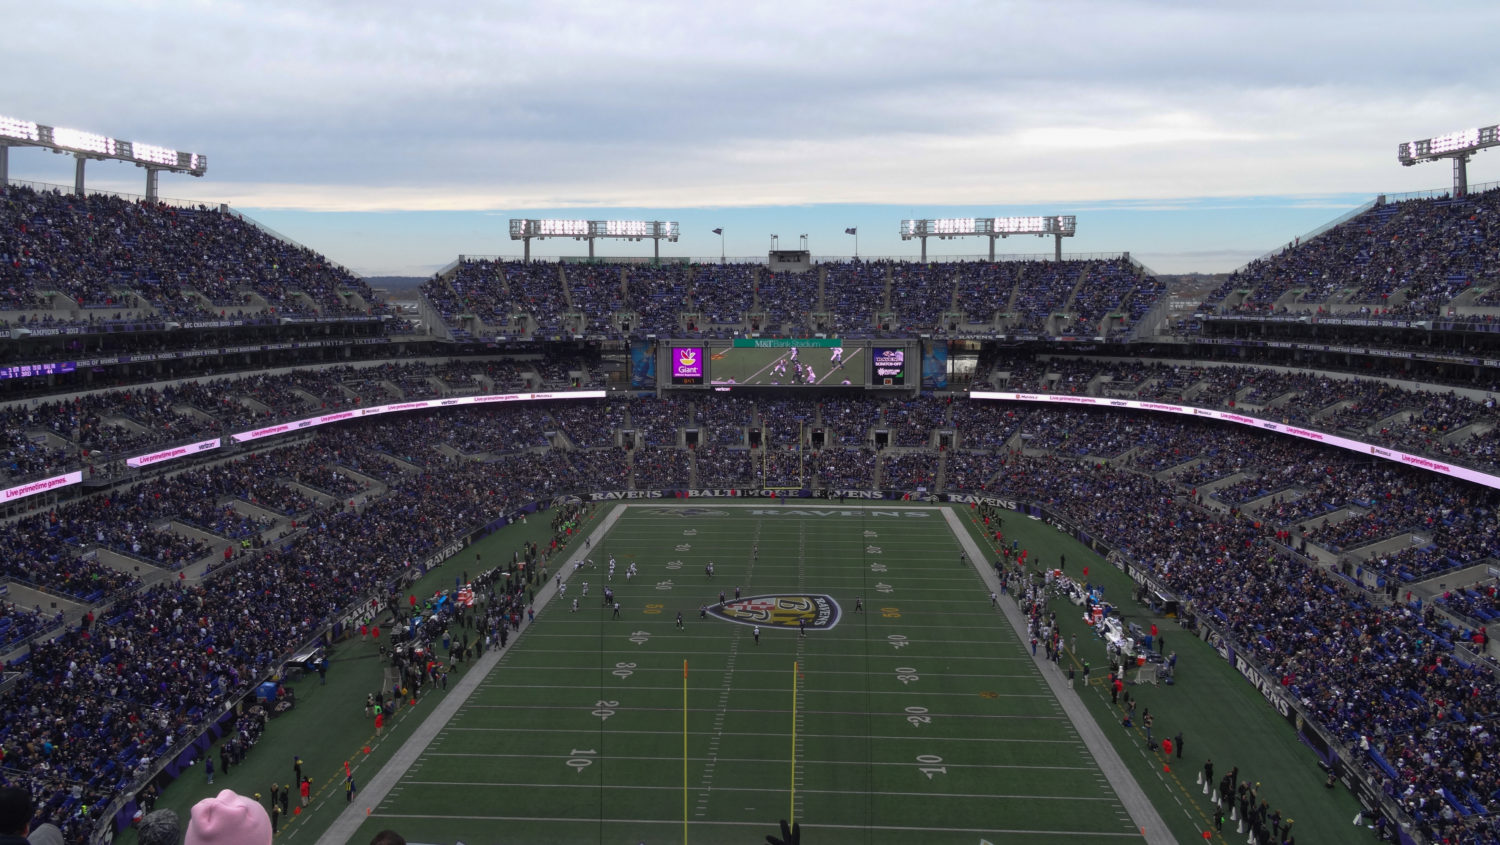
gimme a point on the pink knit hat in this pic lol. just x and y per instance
(228, 819)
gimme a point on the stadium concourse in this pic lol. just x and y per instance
(197, 491)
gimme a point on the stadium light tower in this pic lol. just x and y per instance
(592, 230)
(1459, 146)
(1058, 226)
(88, 145)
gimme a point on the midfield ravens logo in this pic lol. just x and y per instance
(686, 512)
(819, 612)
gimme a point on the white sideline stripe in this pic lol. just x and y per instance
(762, 826)
(778, 790)
(389, 775)
(1143, 814)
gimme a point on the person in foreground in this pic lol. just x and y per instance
(228, 819)
(16, 810)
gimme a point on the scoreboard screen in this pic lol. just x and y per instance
(803, 363)
(687, 365)
(799, 364)
(29, 370)
(888, 366)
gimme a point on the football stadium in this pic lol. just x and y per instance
(1039, 548)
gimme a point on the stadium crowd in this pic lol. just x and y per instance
(290, 536)
(44, 436)
(106, 252)
(842, 297)
(1310, 625)
(1407, 259)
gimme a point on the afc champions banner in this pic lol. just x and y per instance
(687, 365)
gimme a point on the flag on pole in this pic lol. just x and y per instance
(719, 231)
(851, 231)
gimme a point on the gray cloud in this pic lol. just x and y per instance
(383, 105)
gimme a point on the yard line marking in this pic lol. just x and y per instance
(830, 690)
(1005, 638)
(535, 785)
(799, 691)
(531, 708)
(1083, 752)
(706, 781)
(824, 655)
(1031, 767)
(821, 673)
(761, 825)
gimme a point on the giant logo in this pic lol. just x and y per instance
(687, 365)
(817, 612)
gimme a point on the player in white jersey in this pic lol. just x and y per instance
(836, 356)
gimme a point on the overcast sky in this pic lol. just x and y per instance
(395, 136)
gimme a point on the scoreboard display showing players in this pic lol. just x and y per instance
(785, 362)
(888, 366)
(755, 362)
(687, 365)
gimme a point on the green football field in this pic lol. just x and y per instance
(523, 751)
(920, 715)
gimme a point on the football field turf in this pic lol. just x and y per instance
(920, 715)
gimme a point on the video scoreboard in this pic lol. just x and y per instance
(786, 362)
